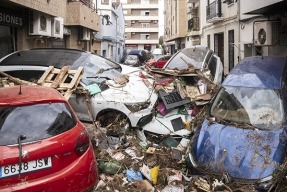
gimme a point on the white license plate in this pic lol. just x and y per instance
(10, 170)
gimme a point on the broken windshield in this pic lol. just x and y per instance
(187, 57)
(97, 69)
(261, 108)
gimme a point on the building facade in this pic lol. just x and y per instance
(233, 29)
(141, 24)
(175, 24)
(112, 24)
(47, 24)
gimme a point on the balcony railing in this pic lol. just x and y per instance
(213, 10)
(193, 24)
(88, 3)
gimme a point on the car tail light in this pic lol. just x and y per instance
(82, 143)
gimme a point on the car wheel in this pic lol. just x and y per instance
(116, 123)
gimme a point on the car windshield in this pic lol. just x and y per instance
(97, 69)
(261, 108)
(132, 57)
(36, 122)
(187, 57)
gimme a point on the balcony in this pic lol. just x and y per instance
(214, 12)
(193, 26)
(82, 13)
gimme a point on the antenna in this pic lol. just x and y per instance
(20, 91)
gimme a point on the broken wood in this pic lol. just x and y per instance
(15, 80)
(64, 80)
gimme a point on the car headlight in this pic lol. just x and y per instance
(134, 107)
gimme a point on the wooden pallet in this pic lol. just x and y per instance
(58, 79)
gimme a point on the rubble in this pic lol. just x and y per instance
(131, 160)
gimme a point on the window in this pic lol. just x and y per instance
(228, 2)
(145, 25)
(145, 36)
(144, 13)
(104, 53)
(56, 118)
(105, 1)
(144, 2)
(231, 48)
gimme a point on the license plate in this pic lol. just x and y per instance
(10, 170)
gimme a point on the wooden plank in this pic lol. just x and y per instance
(59, 78)
(77, 75)
(41, 81)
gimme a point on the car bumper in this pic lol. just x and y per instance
(78, 176)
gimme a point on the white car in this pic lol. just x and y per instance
(198, 57)
(134, 100)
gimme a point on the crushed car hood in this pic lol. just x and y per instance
(242, 153)
(137, 89)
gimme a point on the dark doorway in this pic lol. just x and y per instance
(219, 46)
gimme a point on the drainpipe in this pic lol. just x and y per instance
(239, 29)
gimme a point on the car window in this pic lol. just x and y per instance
(97, 69)
(187, 57)
(261, 108)
(36, 122)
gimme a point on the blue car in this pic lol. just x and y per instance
(242, 140)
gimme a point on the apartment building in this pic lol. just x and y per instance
(47, 24)
(110, 38)
(141, 24)
(263, 27)
(233, 29)
(175, 24)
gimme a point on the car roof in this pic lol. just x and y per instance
(258, 71)
(28, 94)
(45, 57)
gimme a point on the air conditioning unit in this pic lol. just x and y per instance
(85, 34)
(39, 23)
(133, 21)
(57, 27)
(266, 33)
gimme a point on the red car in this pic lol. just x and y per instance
(43, 145)
(159, 62)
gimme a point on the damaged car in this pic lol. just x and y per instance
(242, 140)
(117, 92)
(44, 146)
(185, 84)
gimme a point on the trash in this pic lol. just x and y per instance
(134, 175)
(109, 167)
(109, 142)
(173, 188)
(202, 184)
(146, 172)
(100, 184)
(132, 151)
(169, 142)
(154, 174)
(177, 176)
(142, 185)
(162, 109)
(150, 150)
(176, 154)
(118, 156)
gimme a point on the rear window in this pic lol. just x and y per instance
(36, 122)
